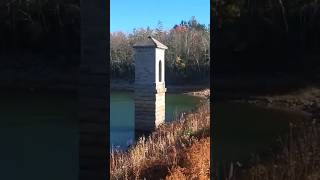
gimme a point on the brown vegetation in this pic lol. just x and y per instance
(177, 150)
(299, 158)
(194, 164)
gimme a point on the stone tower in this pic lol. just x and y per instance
(149, 92)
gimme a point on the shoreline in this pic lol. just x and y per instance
(302, 133)
(306, 101)
(202, 91)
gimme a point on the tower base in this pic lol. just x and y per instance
(149, 108)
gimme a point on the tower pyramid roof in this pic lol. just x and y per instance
(150, 42)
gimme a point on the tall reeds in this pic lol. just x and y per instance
(162, 149)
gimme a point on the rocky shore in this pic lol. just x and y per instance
(306, 101)
(204, 93)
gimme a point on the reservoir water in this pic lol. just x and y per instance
(243, 130)
(240, 130)
(39, 132)
(122, 114)
(38, 136)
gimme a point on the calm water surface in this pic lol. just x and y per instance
(242, 130)
(122, 114)
(39, 134)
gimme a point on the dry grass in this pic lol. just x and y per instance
(299, 159)
(195, 162)
(152, 157)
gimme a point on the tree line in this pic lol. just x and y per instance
(266, 36)
(187, 57)
(40, 25)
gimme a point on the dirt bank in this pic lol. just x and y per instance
(305, 100)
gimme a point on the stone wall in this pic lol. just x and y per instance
(160, 57)
(149, 109)
(160, 108)
(144, 66)
(149, 93)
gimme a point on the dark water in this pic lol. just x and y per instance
(39, 133)
(122, 114)
(242, 130)
(38, 136)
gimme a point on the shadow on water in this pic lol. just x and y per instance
(242, 130)
(38, 135)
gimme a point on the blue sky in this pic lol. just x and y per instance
(128, 14)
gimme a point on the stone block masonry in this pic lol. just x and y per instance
(149, 110)
(149, 90)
